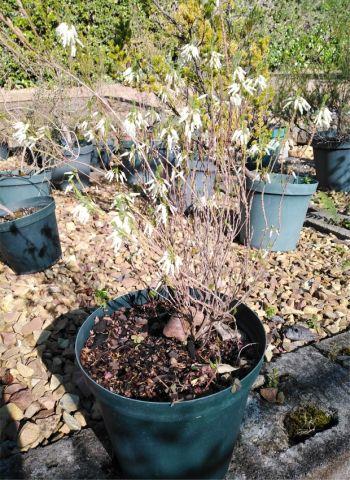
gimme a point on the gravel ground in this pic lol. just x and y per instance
(303, 297)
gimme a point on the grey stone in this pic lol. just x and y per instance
(263, 451)
(331, 346)
(277, 319)
(299, 333)
(81, 456)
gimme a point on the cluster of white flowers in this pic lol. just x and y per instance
(116, 174)
(134, 121)
(20, 132)
(81, 213)
(298, 103)
(158, 188)
(23, 138)
(68, 37)
(323, 118)
(215, 60)
(241, 83)
(189, 52)
(170, 263)
(241, 136)
(191, 119)
(122, 230)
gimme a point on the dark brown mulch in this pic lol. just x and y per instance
(128, 354)
(22, 212)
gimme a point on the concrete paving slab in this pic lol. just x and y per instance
(264, 452)
(81, 456)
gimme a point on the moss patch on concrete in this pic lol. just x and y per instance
(307, 420)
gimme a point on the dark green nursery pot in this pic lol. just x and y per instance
(277, 213)
(135, 169)
(31, 244)
(15, 187)
(332, 163)
(187, 440)
(78, 160)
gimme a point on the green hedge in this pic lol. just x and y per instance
(103, 25)
(304, 35)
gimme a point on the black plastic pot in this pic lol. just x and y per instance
(135, 170)
(15, 187)
(4, 151)
(79, 160)
(31, 244)
(277, 213)
(332, 163)
(186, 440)
(102, 154)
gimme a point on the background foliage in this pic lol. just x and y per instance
(303, 35)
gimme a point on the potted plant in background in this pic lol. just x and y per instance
(29, 239)
(331, 143)
(278, 201)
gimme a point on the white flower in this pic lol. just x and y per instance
(161, 212)
(272, 146)
(239, 74)
(235, 97)
(260, 82)
(254, 150)
(101, 126)
(298, 103)
(189, 52)
(89, 136)
(20, 132)
(117, 240)
(158, 188)
(215, 60)
(241, 137)
(323, 118)
(129, 75)
(248, 86)
(234, 88)
(130, 127)
(69, 37)
(123, 226)
(109, 176)
(81, 213)
(192, 120)
(170, 263)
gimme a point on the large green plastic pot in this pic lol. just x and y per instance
(277, 213)
(332, 163)
(31, 244)
(15, 187)
(185, 440)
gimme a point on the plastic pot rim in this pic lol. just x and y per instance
(278, 186)
(33, 217)
(135, 401)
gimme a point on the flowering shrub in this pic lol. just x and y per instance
(215, 105)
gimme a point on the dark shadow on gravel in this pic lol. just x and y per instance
(59, 360)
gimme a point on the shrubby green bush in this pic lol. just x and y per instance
(103, 25)
(303, 35)
(307, 35)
